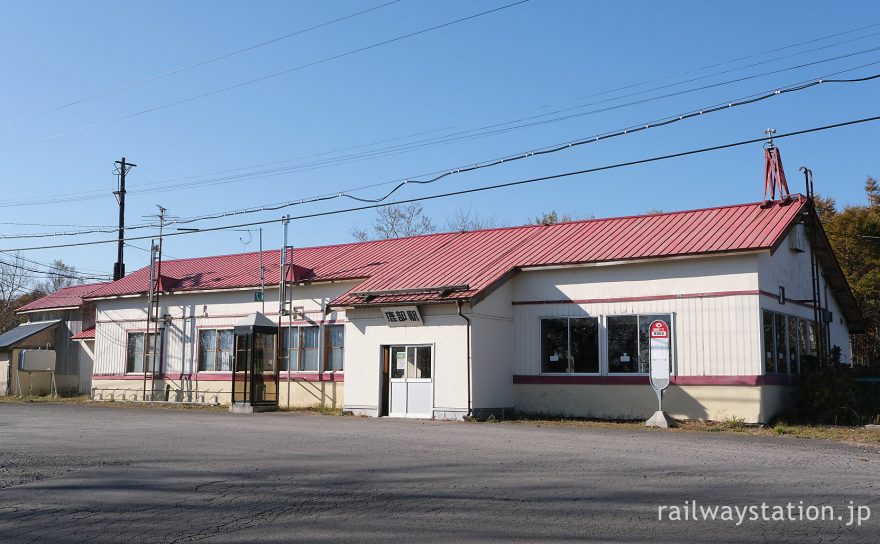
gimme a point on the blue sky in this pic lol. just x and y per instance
(521, 61)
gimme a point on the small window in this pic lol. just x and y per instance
(570, 345)
(310, 352)
(216, 350)
(769, 343)
(623, 344)
(290, 350)
(793, 358)
(554, 345)
(781, 334)
(335, 346)
(139, 361)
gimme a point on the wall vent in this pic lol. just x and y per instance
(797, 240)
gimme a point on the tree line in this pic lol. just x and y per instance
(20, 286)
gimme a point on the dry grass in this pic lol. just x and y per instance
(852, 435)
(84, 399)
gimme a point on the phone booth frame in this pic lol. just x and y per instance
(254, 389)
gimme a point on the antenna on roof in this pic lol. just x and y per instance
(774, 175)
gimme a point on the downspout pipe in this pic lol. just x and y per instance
(470, 409)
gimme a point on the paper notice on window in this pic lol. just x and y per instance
(400, 363)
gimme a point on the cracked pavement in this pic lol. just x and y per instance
(91, 473)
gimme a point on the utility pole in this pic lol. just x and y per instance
(122, 168)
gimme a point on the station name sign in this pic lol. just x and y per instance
(402, 316)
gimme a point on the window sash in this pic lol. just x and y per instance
(623, 351)
(302, 349)
(570, 345)
(335, 343)
(216, 350)
(787, 341)
(135, 362)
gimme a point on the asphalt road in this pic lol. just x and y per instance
(85, 473)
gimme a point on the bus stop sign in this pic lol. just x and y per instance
(658, 332)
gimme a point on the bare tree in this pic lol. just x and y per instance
(551, 217)
(397, 222)
(465, 220)
(14, 283)
(59, 276)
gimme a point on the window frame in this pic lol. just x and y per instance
(570, 361)
(321, 348)
(161, 355)
(672, 339)
(216, 350)
(329, 349)
(785, 364)
(406, 347)
(602, 340)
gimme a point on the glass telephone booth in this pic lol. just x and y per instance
(255, 374)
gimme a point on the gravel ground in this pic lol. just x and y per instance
(87, 473)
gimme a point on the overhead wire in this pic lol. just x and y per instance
(488, 130)
(203, 62)
(476, 189)
(85, 272)
(436, 176)
(261, 78)
(450, 138)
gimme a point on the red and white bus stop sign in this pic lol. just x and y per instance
(658, 332)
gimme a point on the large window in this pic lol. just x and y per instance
(302, 348)
(570, 345)
(629, 345)
(788, 342)
(137, 361)
(216, 351)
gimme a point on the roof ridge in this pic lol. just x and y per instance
(796, 196)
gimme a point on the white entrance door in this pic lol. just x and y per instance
(411, 391)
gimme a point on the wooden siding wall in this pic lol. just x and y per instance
(714, 302)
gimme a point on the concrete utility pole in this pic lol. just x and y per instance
(122, 168)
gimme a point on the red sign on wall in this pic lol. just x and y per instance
(659, 329)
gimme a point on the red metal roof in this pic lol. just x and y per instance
(67, 297)
(482, 259)
(87, 334)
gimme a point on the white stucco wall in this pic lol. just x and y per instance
(366, 333)
(492, 321)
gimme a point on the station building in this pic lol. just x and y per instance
(541, 319)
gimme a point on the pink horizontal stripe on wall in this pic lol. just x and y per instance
(227, 376)
(775, 296)
(780, 379)
(713, 294)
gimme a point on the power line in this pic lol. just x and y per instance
(556, 148)
(52, 267)
(191, 66)
(262, 78)
(600, 93)
(57, 274)
(480, 189)
(446, 139)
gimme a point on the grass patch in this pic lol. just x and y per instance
(322, 410)
(781, 430)
(71, 399)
